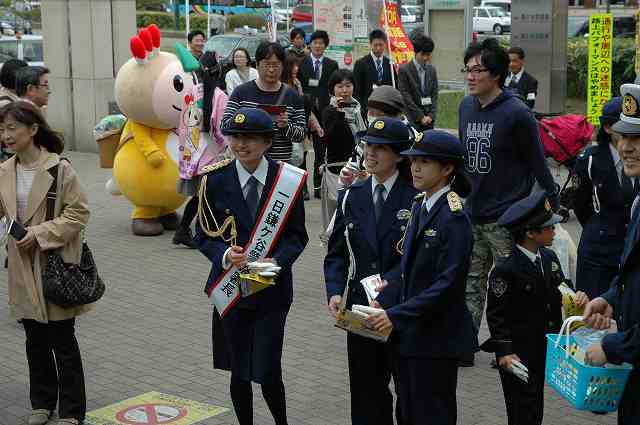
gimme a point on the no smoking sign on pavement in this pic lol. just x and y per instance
(153, 408)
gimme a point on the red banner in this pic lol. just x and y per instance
(400, 47)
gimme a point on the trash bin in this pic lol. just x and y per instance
(107, 134)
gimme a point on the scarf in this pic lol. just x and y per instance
(353, 116)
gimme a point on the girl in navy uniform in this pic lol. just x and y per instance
(603, 206)
(370, 221)
(248, 335)
(431, 325)
(524, 304)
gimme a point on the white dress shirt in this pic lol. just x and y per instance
(531, 256)
(431, 200)
(260, 174)
(313, 64)
(515, 77)
(388, 185)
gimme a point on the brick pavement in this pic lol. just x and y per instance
(151, 332)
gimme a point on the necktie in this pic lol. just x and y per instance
(316, 69)
(423, 78)
(627, 189)
(379, 201)
(252, 196)
(538, 264)
(514, 82)
(379, 69)
(422, 217)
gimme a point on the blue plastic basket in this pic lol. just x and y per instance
(585, 387)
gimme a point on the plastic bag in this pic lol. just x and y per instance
(297, 154)
(586, 337)
(108, 125)
(565, 249)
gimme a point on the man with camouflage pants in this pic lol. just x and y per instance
(504, 158)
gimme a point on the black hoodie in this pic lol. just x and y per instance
(504, 155)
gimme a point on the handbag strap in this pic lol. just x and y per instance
(52, 194)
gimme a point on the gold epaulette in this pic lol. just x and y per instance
(217, 165)
(419, 196)
(455, 203)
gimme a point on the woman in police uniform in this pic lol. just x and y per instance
(431, 325)
(603, 206)
(370, 221)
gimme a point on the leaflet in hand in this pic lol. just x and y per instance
(370, 284)
(519, 370)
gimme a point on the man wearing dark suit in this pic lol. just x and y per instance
(418, 83)
(520, 81)
(622, 300)
(315, 71)
(373, 70)
(248, 335)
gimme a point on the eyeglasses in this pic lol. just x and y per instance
(475, 71)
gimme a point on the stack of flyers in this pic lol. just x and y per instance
(519, 370)
(365, 311)
(370, 284)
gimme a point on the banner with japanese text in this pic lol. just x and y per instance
(336, 18)
(600, 55)
(400, 46)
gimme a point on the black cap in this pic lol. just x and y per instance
(532, 212)
(250, 121)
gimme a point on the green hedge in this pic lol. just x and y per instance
(167, 20)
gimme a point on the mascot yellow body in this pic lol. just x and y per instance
(150, 90)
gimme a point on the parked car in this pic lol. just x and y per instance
(411, 14)
(6, 28)
(623, 26)
(491, 19)
(225, 44)
(503, 4)
(28, 48)
(302, 13)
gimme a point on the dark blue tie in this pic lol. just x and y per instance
(379, 69)
(379, 201)
(252, 196)
(316, 69)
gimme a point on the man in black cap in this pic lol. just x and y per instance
(430, 320)
(524, 304)
(250, 207)
(622, 301)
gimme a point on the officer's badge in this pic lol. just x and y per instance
(379, 125)
(240, 119)
(498, 286)
(403, 215)
(554, 266)
(217, 165)
(455, 203)
(419, 196)
(430, 233)
(419, 137)
(629, 105)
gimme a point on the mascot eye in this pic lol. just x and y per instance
(178, 84)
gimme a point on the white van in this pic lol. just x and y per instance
(27, 48)
(504, 4)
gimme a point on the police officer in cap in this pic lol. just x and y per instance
(432, 327)
(248, 335)
(602, 205)
(523, 305)
(622, 300)
(370, 221)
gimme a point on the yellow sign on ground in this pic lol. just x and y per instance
(600, 54)
(153, 408)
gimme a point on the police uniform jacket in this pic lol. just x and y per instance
(224, 194)
(373, 246)
(430, 318)
(624, 346)
(603, 229)
(523, 305)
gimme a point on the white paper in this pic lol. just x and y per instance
(370, 284)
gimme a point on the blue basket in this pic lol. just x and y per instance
(585, 387)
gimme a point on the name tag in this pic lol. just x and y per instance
(426, 101)
(313, 82)
(531, 96)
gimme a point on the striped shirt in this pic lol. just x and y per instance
(249, 95)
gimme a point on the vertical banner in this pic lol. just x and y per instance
(272, 24)
(600, 55)
(637, 43)
(400, 47)
(336, 18)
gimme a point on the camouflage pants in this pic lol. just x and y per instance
(490, 242)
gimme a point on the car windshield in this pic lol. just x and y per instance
(32, 50)
(496, 12)
(223, 46)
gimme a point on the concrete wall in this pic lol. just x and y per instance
(85, 43)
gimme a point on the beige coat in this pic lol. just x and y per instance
(26, 298)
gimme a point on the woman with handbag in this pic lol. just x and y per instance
(55, 365)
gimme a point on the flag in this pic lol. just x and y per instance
(272, 25)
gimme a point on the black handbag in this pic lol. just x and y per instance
(66, 284)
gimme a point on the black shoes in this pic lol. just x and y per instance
(183, 237)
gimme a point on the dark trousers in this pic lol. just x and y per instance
(594, 277)
(190, 211)
(525, 401)
(242, 399)
(427, 390)
(55, 368)
(629, 408)
(370, 371)
(318, 160)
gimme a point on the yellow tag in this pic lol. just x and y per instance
(379, 125)
(239, 119)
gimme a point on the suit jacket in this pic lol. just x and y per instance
(410, 87)
(526, 88)
(624, 296)
(373, 245)
(365, 75)
(430, 317)
(523, 305)
(63, 233)
(224, 195)
(319, 95)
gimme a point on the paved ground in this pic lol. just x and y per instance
(151, 332)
